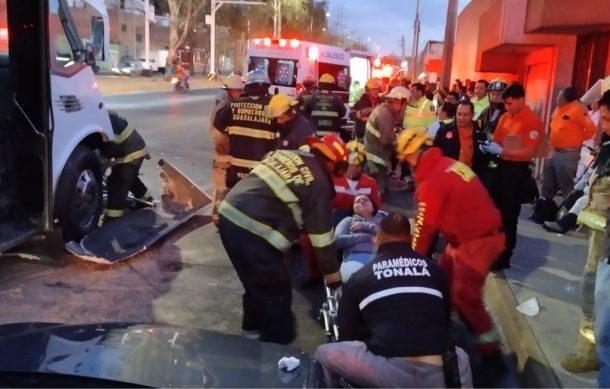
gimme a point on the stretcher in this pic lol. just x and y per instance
(328, 314)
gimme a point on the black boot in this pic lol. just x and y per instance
(563, 225)
(544, 210)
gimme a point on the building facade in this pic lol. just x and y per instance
(544, 44)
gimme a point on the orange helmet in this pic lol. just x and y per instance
(331, 146)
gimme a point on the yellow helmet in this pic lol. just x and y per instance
(372, 83)
(327, 79)
(356, 152)
(410, 140)
(279, 104)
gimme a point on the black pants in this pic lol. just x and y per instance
(124, 179)
(506, 194)
(264, 273)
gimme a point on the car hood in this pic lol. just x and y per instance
(154, 355)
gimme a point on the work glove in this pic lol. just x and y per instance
(489, 147)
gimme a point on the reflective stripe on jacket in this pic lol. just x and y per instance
(287, 192)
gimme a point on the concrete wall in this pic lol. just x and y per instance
(466, 53)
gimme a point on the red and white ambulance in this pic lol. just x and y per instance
(288, 62)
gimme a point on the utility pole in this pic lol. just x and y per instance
(146, 34)
(452, 8)
(416, 28)
(211, 20)
(402, 46)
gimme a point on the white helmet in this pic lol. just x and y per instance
(399, 93)
(234, 81)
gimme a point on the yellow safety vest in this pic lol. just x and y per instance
(420, 114)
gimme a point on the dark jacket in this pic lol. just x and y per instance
(360, 123)
(326, 111)
(288, 192)
(294, 134)
(489, 118)
(127, 145)
(251, 136)
(448, 140)
(397, 304)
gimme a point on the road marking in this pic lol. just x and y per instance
(159, 102)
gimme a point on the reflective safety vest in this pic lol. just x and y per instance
(326, 111)
(289, 191)
(127, 145)
(247, 123)
(479, 106)
(421, 113)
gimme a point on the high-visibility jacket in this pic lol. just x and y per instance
(479, 106)
(451, 200)
(326, 110)
(419, 114)
(379, 134)
(345, 193)
(251, 135)
(127, 145)
(289, 191)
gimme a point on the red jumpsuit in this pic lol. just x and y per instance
(344, 200)
(345, 195)
(452, 201)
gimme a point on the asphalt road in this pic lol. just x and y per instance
(184, 279)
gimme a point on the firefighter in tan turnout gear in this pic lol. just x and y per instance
(288, 193)
(234, 87)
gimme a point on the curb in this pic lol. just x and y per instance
(532, 367)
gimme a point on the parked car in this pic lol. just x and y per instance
(151, 355)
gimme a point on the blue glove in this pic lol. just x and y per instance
(490, 148)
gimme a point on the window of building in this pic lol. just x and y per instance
(138, 37)
(123, 27)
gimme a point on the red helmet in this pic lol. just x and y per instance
(331, 146)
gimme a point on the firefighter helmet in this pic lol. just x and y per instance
(372, 83)
(280, 104)
(234, 81)
(257, 77)
(399, 93)
(327, 79)
(356, 153)
(410, 140)
(331, 146)
(497, 85)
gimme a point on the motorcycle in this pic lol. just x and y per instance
(180, 83)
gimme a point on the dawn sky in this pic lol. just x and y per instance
(384, 21)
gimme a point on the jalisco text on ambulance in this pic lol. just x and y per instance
(288, 62)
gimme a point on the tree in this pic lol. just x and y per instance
(184, 16)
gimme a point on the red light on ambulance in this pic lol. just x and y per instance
(294, 43)
(267, 42)
(257, 41)
(4, 34)
(283, 42)
(377, 62)
(313, 53)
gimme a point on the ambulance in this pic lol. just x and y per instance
(288, 62)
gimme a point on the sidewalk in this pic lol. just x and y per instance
(546, 266)
(115, 84)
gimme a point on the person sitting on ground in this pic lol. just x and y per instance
(354, 235)
(394, 321)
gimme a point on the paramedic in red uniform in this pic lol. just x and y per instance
(452, 201)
